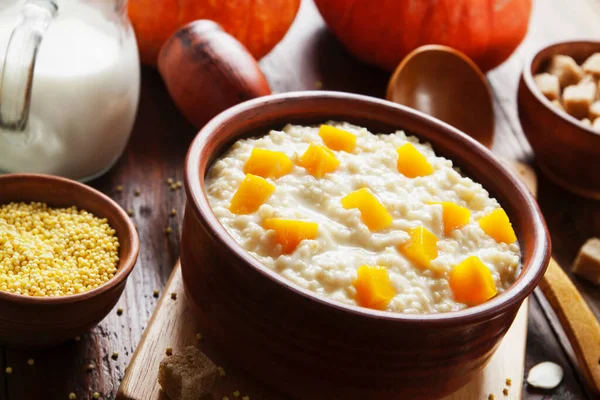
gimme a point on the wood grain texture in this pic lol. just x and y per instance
(308, 58)
(173, 325)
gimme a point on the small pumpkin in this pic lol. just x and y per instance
(383, 32)
(258, 25)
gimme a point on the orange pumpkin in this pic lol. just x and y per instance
(257, 24)
(383, 32)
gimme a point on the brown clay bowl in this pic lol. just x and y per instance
(314, 348)
(44, 321)
(566, 151)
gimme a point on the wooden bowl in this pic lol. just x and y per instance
(43, 321)
(315, 348)
(566, 151)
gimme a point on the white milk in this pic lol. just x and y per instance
(84, 98)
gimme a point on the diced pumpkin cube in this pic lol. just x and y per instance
(268, 163)
(472, 282)
(337, 139)
(421, 249)
(289, 233)
(251, 194)
(318, 160)
(411, 163)
(497, 225)
(372, 213)
(373, 287)
(454, 216)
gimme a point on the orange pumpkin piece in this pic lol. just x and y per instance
(421, 248)
(454, 216)
(268, 163)
(472, 282)
(318, 160)
(251, 194)
(373, 287)
(411, 163)
(289, 233)
(372, 213)
(497, 225)
(337, 139)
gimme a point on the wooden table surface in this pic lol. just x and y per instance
(309, 57)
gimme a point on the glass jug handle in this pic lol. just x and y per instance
(19, 63)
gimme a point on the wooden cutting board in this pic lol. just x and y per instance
(174, 325)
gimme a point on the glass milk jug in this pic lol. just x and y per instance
(69, 85)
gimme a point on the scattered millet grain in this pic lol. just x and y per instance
(173, 212)
(222, 371)
(47, 251)
(199, 336)
(169, 351)
(173, 187)
(169, 181)
(31, 361)
(318, 85)
(72, 396)
(491, 397)
(246, 398)
(505, 392)
(225, 398)
(179, 184)
(115, 355)
(119, 188)
(155, 293)
(168, 230)
(508, 381)
(89, 368)
(137, 192)
(173, 296)
(9, 370)
(119, 311)
(236, 393)
(96, 395)
(77, 338)
(130, 212)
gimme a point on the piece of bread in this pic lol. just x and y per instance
(548, 85)
(566, 70)
(592, 65)
(187, 375)
(596, 125)
(587, 263)
(577, 99)
(586, 122)
(594, 110)
(558, 104)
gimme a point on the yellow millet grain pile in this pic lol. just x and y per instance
(47, 251)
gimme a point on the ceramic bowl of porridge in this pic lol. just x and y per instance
(340, 246)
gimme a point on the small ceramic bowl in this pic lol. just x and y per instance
(44, 321)
(313, 347)
(566, 151)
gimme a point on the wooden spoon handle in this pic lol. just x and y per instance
(578, 321)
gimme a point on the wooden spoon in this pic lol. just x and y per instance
(446, 84)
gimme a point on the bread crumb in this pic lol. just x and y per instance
(115, 355)
(222, 371)
(188, 375)
(199, 336)
(173, 296)
(246, 398)
(155, 293)
(491, 397)
(169, 351)
(505, 392)
(236, 393)
(508, 381)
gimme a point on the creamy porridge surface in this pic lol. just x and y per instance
(328, 265)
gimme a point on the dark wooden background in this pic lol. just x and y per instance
(308, 58)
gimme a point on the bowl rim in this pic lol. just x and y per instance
(126, 261)
(528, 79)
(521, 288)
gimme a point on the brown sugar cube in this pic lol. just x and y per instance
(596, 125)
(587, 263)
(578, 98)
(188, 375)
(592, 65)
(548, 85)
(595, 110)
(565, 69)
(558, 104)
